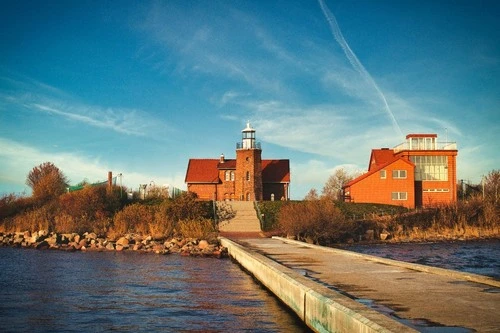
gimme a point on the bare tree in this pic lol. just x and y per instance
(333, 186)
(46, 181)
(312, 195)
(492, 186)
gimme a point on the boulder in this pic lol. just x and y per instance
(43, 245)
(203, 244)
(123, 241)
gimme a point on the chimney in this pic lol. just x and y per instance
(222, 158)
(110, 179)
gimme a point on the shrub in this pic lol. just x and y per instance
(271, 210)
(318, 221)
(199, 228)
(186, 207)
(134, 218)
(34, 220)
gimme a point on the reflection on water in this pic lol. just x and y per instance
(479, 257)
(58, 291)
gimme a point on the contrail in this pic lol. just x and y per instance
(356, 64)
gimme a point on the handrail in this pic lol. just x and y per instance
(259, 215)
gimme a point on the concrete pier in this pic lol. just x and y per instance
(341, 291)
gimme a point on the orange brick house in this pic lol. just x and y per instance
(248, 177)
(417, 173)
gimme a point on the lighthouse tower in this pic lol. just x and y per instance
(248, 175)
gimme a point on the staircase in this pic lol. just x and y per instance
(242, 217)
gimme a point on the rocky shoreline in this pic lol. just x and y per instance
(44, 240)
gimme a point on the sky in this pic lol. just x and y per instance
(140, 87)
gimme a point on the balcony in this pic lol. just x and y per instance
(248, 145)
(434, 146)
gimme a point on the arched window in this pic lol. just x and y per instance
(232, 176)
(227, 175)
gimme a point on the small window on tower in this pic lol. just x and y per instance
(248, 175)
(383, 174)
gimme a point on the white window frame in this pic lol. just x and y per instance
(400, 196)
(399, 174)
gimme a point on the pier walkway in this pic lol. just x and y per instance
(357, 292)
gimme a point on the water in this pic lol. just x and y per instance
(479, 257)
(42, 291)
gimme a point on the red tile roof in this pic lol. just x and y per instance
(275, 171)
(202, 171)
(206, 170)
(381, 156)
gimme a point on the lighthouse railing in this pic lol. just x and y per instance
(248, 145)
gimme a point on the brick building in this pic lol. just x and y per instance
(248, 177)
(417, 173)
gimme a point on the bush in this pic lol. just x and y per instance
(133, 219)
(186, 207)
(34, 220)
(199, 228)
(271, 210)
(317, 221)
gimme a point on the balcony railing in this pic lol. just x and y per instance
(434, 146)
(248, 145)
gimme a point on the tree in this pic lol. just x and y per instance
(333, 186)
(492, 186)
(46, 181)
(312, 195)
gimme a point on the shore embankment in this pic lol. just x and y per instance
(43, 240)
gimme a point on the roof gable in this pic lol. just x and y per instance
(381, 156)
(376, 169)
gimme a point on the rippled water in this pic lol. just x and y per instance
(44, 291)
(479, 257)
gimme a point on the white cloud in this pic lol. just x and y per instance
(17, 159)
(121, 120)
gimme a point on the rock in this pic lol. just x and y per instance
(92, 235)
(203, 244)
(110, 246)
(43, 245)
(77, 238)
(123, 241)
(383, 236)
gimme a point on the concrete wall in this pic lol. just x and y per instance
(321, 308)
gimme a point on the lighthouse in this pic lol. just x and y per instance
(248, 166)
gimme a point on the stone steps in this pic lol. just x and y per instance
(243, 218)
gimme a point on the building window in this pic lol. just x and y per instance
(423, 144)
(227, 175)
(430, 167)
(399, 174)
(399, 195)
(248, 175)
(436, 190)
(383, 174)
(232, 176)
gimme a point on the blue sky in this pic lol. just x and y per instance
(139, 87)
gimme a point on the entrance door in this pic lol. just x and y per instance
(419, 192)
